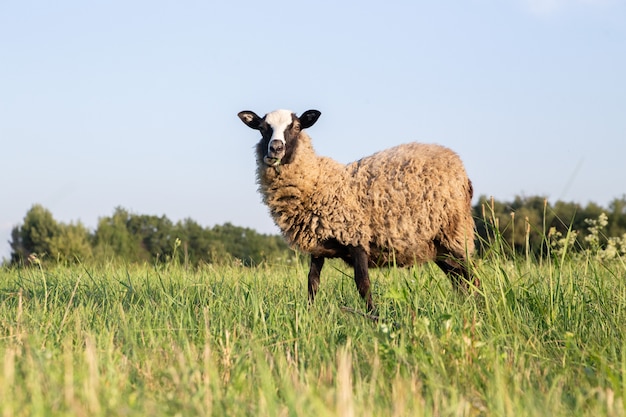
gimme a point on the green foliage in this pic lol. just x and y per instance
(113, 239)
(137, 238)
(71, 243)
(248, 245)
(532, 222)
(35, 235)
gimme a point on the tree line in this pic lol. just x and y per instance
(533, 225)
(526, 224)
(140, 238)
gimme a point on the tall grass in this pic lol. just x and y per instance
(545, 339)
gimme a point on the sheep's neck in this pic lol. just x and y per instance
(304, 169)
(301, 177)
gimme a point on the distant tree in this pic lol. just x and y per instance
(19, 253)
(196, 245)
(72, 243)
(249, 246)
(113, 239)
(154, 234)
(34, 236)
(41, 235)
(567, 216)
(617, 217)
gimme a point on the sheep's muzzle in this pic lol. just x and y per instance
(275, 152)
(272, 162)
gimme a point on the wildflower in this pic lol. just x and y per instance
(33, 259)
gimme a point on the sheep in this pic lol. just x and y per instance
(402, 206)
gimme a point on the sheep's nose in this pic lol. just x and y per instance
(276, 146)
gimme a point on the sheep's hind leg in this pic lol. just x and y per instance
(458, 272)
(361, 275)
(314, 276)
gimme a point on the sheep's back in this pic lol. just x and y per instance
(417, 195)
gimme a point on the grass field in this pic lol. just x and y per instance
(547, 339)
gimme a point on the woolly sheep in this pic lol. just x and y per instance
(405, 205)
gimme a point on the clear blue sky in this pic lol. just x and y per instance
(134, 103)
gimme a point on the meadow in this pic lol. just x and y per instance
(545, 337)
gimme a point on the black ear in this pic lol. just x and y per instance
(250, 119)
(309, 118)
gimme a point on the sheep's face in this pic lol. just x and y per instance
(280, 130)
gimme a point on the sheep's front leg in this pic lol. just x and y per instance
(361, 275)
(314, 276)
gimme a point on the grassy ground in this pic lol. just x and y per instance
(545, 340)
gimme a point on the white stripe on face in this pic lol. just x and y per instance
(278, 120)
